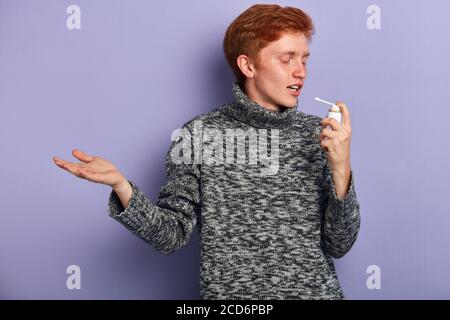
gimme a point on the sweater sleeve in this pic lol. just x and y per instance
(341, 217)
(168, 223)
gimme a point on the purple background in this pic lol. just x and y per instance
(137, 70)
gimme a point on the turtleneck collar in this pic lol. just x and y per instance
(245, 110)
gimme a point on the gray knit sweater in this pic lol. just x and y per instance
(268, 217)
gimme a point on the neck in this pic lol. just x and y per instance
(250, 91)
(248, 111)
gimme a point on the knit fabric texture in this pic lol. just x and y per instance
(264, 203)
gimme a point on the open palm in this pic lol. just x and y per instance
(92, 168)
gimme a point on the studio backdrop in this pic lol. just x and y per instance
(116, 78)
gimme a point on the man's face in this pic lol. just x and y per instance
(281, 64)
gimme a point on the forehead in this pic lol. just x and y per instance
(288, 43)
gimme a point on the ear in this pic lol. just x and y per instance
(247, 68)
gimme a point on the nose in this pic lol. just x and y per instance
(299, 71)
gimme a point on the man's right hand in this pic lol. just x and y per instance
(93, 168)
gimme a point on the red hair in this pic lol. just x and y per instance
(259, 25)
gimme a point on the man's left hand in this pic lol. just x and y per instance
(336, 143)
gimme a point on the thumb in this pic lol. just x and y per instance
(80, 155)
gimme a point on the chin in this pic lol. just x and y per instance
(285, 107)
(290, 105)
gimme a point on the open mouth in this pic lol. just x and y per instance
(295, 89)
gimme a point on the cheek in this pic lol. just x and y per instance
(270, 76)
(280, 74)
(273, 77)
(276, 69)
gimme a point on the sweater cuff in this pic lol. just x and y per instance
(135, 215)
(349, 202)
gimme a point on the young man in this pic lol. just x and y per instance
(269, 225)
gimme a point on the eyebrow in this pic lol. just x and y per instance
(293, 53)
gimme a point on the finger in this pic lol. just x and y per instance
(328, 144)
(333, 123)
(86, 174)
(325, 144)
(328, 133)
(63, 163)
(345, 113)
(72, 169)
(80, 155)
(59, 162)
(56, 160)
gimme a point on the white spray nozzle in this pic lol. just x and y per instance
(333, 106)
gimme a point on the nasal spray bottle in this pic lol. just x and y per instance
(334, 111)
